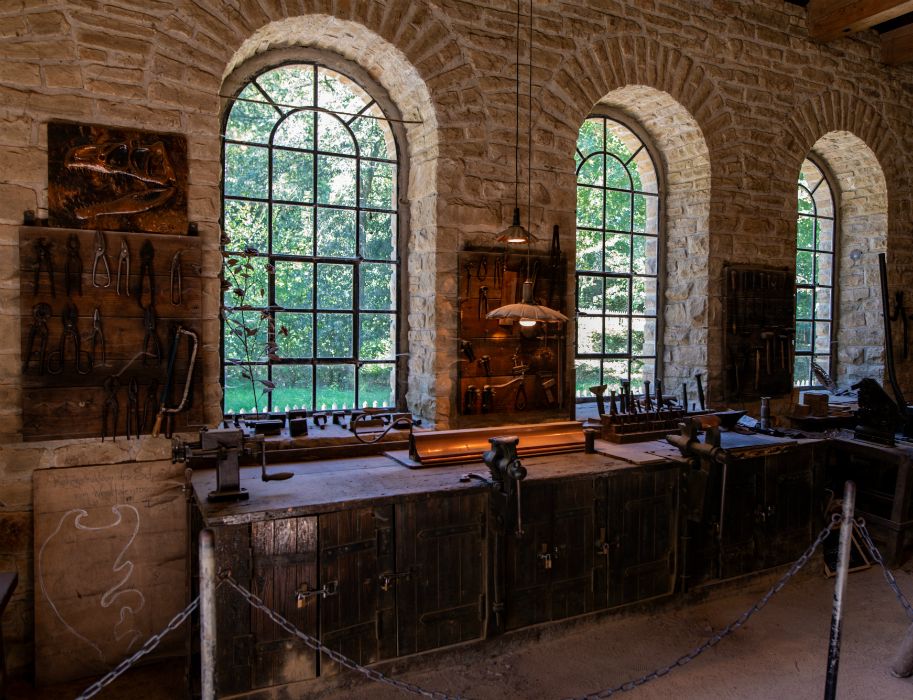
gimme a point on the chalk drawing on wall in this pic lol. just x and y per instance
(118, 600)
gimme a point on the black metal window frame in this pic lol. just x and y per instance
(629, 276)
(270, 257)
(815, 287)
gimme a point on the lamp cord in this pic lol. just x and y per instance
(517, 119)
(529, 144)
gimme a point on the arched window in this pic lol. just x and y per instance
(310, 228)
(815, 243)
(617, 257)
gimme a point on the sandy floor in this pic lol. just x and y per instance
(781, 653)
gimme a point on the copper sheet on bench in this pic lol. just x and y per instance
(439, 447)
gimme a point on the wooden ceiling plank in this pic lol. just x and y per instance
(832, 19)
(897, 46)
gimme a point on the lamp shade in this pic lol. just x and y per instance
(515, 233)
(527, 309)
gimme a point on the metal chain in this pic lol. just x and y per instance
(728, 629)
(888, 576)
(329, 653)
(150, 644)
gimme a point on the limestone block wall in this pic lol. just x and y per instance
(733, 94)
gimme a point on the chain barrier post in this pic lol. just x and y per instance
(903, 662)
(843, 566)
(207, 614)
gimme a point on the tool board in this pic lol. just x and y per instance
(758, 331)
(69, 404)
(524, 367)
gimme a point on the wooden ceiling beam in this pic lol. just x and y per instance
(832, 19)
(897, 46)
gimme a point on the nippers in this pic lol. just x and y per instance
(100, 255)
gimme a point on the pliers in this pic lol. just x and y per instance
(72, 271)
(111, 407)
(123, 263)
(42, 260)
(98, 336)
(146, 255)
(133, 424)
(38, 330)
(100, 255)
(151, 339)
(58, 358)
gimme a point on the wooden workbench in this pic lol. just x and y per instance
(379, 560)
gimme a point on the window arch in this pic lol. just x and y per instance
(617, 257)
(311, 228)
(815, 256)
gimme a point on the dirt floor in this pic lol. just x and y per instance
(780, 653)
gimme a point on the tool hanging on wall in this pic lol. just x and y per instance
(123, 267)
(177, 280)
(72, 271)
(901, 313)
(57, 359)
(150, 406)
(98, 336)
(41, 312)
(466, 349)
(146, 272)
(43, 261)
(100, 256)
(482, 269)
(133, 416)
(485, 364)
(151, 338)
(166, 414)
(110, 408)
(548, 386)
(483, 301)
(488, 397)
(467, 267)
(498, 273)
(470, 398)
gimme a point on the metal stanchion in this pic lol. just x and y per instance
(843, 566)
(903, 664)
(207, 614)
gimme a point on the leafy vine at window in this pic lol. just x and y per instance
(814, 275)
(310, 223)
(617, 257)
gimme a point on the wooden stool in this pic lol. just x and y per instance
(8, 581)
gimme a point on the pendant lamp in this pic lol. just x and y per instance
(516, 233)
(528, 312)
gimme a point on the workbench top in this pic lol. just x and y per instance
(328, 485)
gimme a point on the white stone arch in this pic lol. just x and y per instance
(683, 158)
(391, 69)
(861, 193)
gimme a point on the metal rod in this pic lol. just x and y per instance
(843, 566)
(719, 536)
(888, 340)
(207, 615)
(903, 663)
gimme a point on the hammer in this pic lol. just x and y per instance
(599, 392)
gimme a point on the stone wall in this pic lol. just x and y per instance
(733, 94)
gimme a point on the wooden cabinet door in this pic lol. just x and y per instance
(356, 614)
(642, 525)
(439, 577)
(549, 569)
(283, 556)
